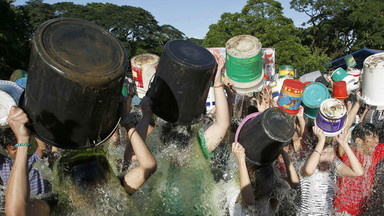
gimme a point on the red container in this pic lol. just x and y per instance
(306, 83)
(290, 96)
(340, 90)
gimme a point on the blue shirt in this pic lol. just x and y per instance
(36, 183)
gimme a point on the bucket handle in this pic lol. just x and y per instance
(253, 115)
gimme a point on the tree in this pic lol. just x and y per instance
(340, 27)
(264, 19)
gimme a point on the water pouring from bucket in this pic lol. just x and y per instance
(73, 95)
(263, 134)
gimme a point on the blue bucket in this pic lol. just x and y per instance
(314, 93)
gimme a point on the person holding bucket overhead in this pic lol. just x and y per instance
(318, 174)
(184, 180)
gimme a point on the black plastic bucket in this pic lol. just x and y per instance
(76, 74)
(263, 134)
(181, 84)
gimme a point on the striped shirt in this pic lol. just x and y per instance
(37, 184)
(317, 192)
(355, 192)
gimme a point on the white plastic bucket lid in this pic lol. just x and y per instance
(10, 94)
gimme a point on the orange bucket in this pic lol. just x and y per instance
(340, 90)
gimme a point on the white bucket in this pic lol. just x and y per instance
(10, 94)
(143, 69)
(373, 77)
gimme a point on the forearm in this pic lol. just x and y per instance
(302, 125)
(246, 189)
(356, 166)
(144, 156)
(142, 126)
(313, 160)
(293, 178)
(17, 191)
(352, 115)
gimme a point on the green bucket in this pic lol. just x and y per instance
(350, 61)
(243, 63)
(286, 70)
(339, 74)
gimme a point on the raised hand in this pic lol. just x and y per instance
(17, 120)
(239, 151)
(319, 133)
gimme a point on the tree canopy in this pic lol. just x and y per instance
(135, 27)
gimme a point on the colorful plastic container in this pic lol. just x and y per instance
(287, 70)
(314, 93)
(290, 96)
(339, 74)
(340, 90)
(244, 63)
(143, 69)
(350, 61)
(332, 117)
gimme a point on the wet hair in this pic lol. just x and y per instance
(7, 137)
(179, 135)
(362, 130)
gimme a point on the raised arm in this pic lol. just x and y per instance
(216, 132)
(293, 178)
(17, 192)
(310, 165)
(246, 190)
(356, 169)
(147, 163)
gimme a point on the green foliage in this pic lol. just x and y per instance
(264, 19)
(136, 28)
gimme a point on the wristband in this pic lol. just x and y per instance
(218, 86)
(22, 144)
(317, 151)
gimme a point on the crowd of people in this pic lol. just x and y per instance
(335, 175)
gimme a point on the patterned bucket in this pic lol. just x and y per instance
(290, 96)
(332, 117)
(314, 93)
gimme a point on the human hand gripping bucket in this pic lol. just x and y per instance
(263, 134)
(332, 117)
(10, 94)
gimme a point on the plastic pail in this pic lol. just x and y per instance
(314, 93)
(180, 87)
(373, 76)
(143, 69)
(290, 96)
(263, 134)
(22, 82)
(340, 90)
(332, 116)
(76, 74)
(10, 94)
(339, 74)
(244, 63)
(210, 103)
(287, 70)
(350, 61)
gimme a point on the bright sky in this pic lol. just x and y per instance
(192, 17)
